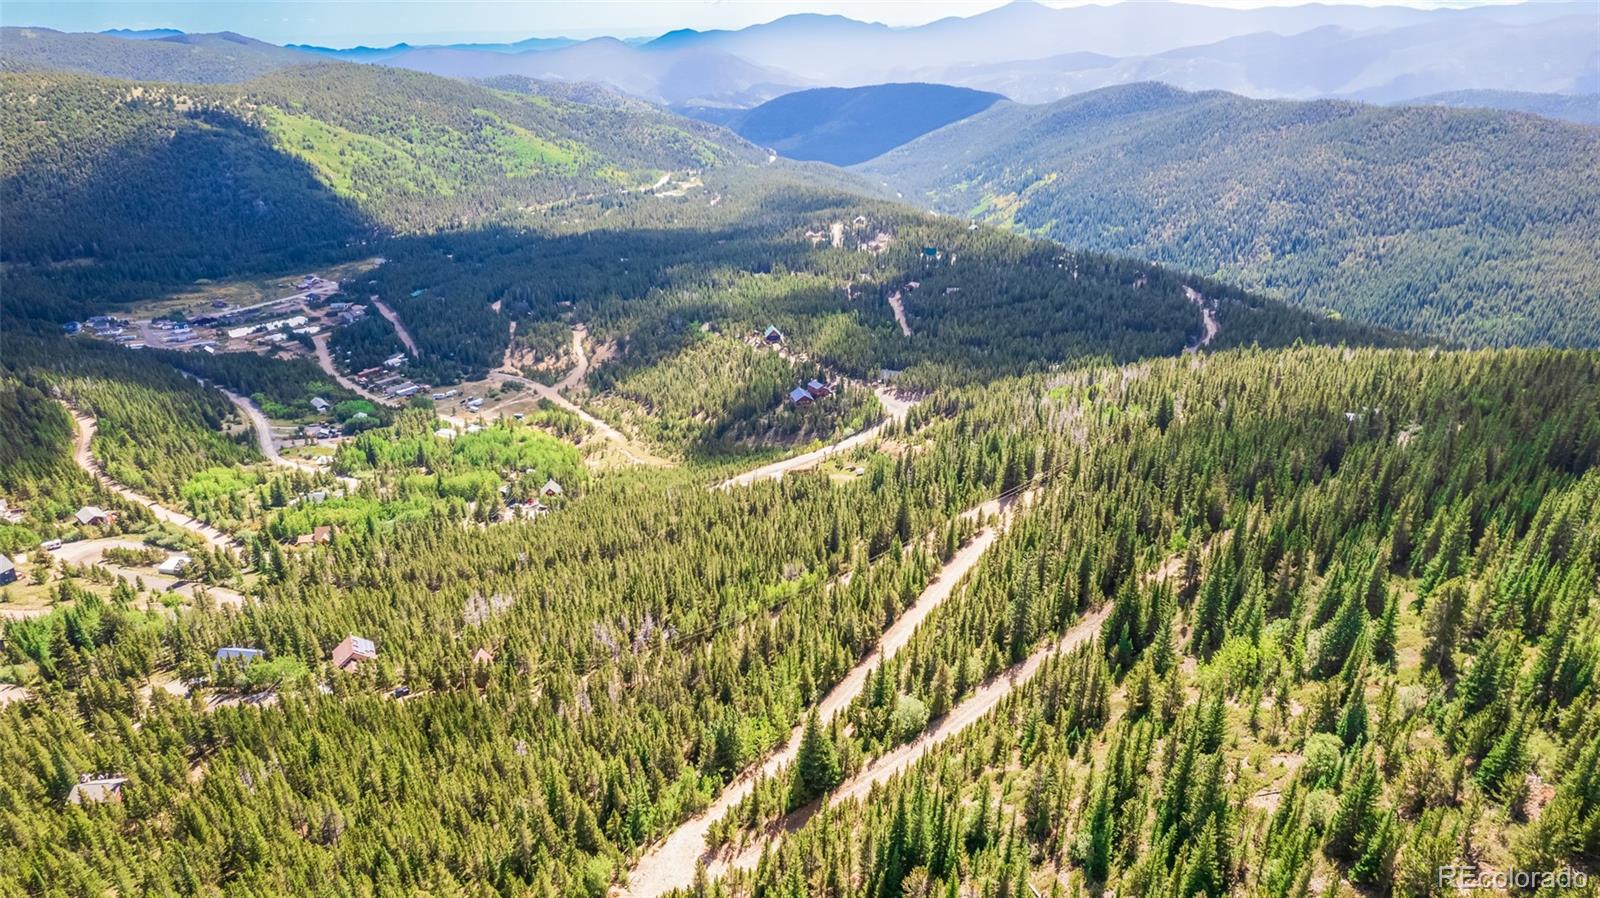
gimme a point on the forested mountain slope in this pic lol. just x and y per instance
(1374, 634)
(1471, 225)
(189, 58)
(844, 126)
(161, 183)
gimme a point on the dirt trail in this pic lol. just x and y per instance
(897, 409)
(399, 327)
(671, 863)
(1207, 315)
(85, 460)
(899, 306)
(974, 708)
(325, 362)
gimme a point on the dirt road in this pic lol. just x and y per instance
(635, 453)
(399, 327)
(85, 460)
(325, 362)
(974, 708)
(1207, 315)
(896, 409)
(269, 444)
(899, 307)
(580, 361)
(671, 863)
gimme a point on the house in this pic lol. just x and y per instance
(94, 788)
(322, 535)
(174, 565)
(819, 389)
(395, 360)
(406, 390)
(800, 397)
(8, 571)
(551, 488)
(320, 404)
(772, 335)
(350, 653)
(483, 656)
(72, 327)
(234, 653)
(93, 515)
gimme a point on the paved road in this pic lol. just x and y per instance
(671, 863)
(86, 461)
(896, 408)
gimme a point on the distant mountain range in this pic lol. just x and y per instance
(146, 56)
(846, 125)
(1423, 218)
(1029, 52)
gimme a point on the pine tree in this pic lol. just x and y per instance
(816, 765)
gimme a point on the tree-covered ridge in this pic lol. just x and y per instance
(289, 169)
(654, 637)
(1362, 653)
(1467, 224)
(187, 58)
(155, 427)
(981, 303)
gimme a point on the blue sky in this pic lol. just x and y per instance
(381, 22)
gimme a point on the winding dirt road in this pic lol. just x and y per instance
(897, 409)
(268, 444)
(671, 863)
(85, 460)
(1207, 315)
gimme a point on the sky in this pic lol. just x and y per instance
(343, 23)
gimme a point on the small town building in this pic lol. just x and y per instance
(94, 515)
(8, 571)
(95, 788)
(174, 565)
(320, 404)
(819, 389)
(349, 654)
(551, 488)
(239, 654)
(772, 335)
(800, 397)
(483, 656)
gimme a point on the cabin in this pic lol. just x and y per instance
(238, 654)
(93, 515)
(800, 397)
(349, 654)
(772, 336)
(551, 488)
(483, 656)
(320, 404)
(174, 565)
(819, 389)
(96, 788)
(8, 571)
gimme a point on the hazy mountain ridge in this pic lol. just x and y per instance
(846, 125)
(1440, 221)
(192, 58)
